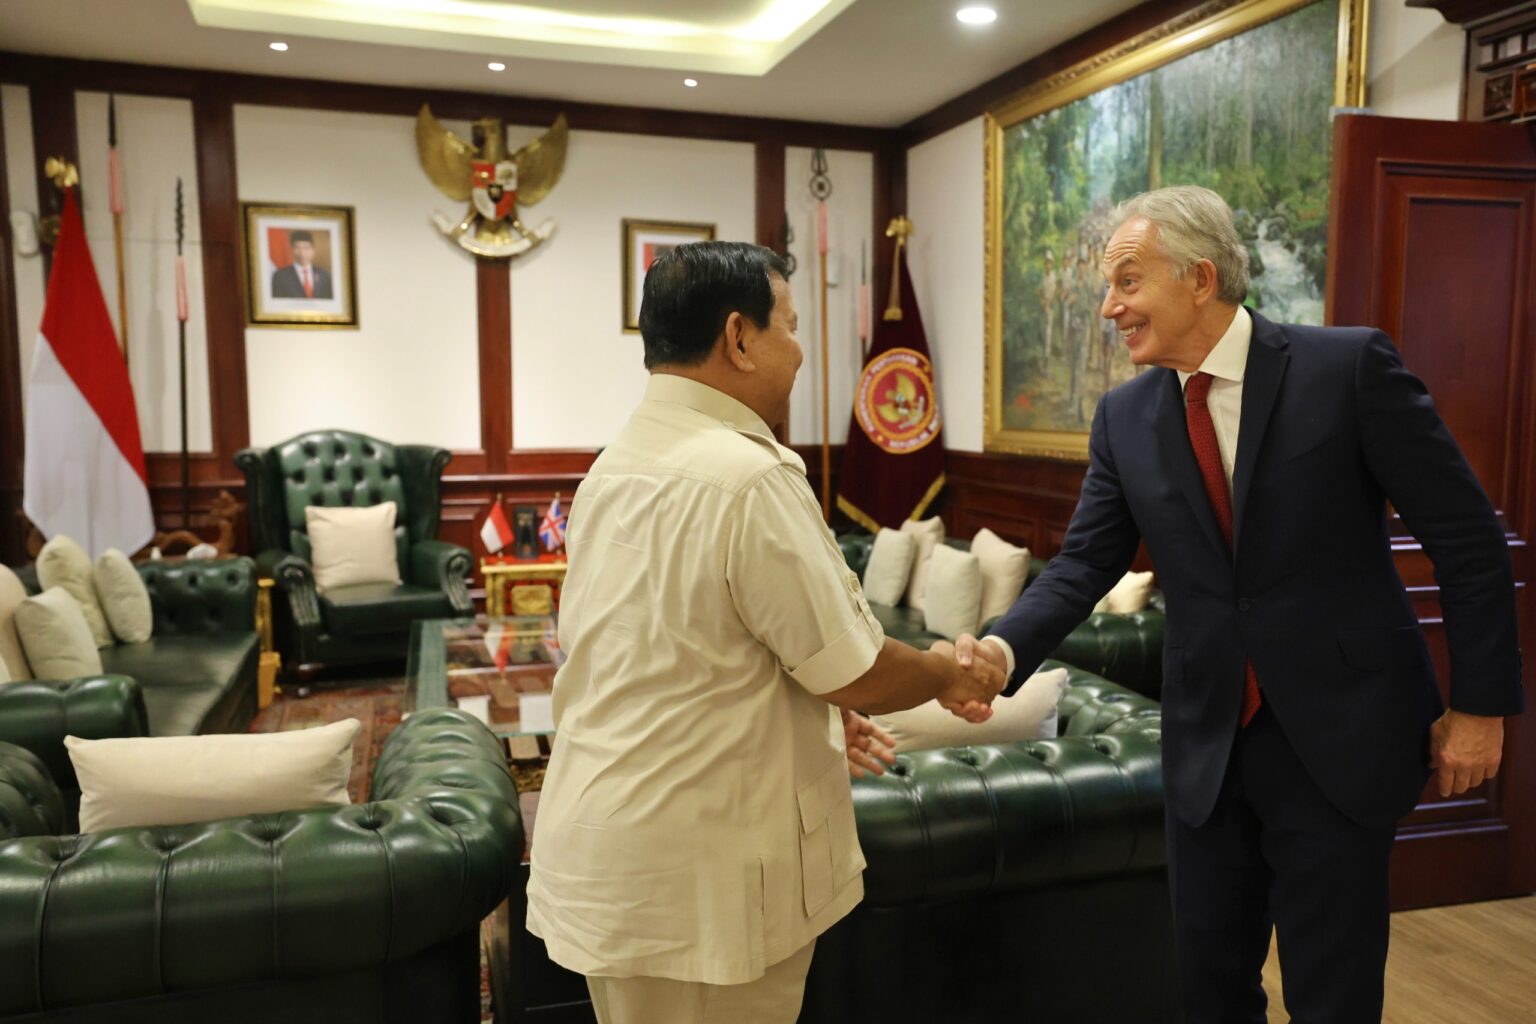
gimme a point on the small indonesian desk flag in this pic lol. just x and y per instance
(85, 475)
(496, 532)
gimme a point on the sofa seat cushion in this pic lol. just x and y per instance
(185, 677)
(363, 609)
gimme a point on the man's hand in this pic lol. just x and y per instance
(981, 674)
(870, 748)
(1464, 750)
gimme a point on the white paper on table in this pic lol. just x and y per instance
(480, 707)
(536, 712)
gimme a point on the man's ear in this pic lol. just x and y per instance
(1204, 272)
(734, 337)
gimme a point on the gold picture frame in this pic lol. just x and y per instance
(641, 242)
(1199, 29)
(291, 284)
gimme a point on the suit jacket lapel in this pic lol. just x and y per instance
(1179, 457)
(1267, 360)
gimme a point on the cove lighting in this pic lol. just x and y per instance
(976, 15)
(692, 83)
(496, 65)
(279, 47)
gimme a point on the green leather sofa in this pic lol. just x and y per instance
(364, 622)
(1126, 649)
(197, 672)
(368, 912)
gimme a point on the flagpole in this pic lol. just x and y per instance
(826, 394)
(115, 190)
(899, 228)
(182, 313)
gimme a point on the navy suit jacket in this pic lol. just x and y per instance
(1332, 428)
(286, 283)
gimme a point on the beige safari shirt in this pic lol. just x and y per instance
(696, 821)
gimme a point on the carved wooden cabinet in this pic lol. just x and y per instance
(1500, 63)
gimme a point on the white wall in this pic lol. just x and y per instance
(946, 204)
(850, 210)
(155, 145)
(21, 182)
(576, 376)
(410, 372)
(1414, 68)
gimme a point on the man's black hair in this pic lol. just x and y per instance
(692, 289)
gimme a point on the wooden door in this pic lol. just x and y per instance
(1431, 239)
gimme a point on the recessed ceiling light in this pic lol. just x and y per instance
(496, 65)
(976, 15)
(279, 47)
(692, 83)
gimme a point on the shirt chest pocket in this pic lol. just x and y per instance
(829, 844)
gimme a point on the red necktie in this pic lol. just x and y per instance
(309, 289)
(1202, 438)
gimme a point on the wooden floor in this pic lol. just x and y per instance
(1470, 964)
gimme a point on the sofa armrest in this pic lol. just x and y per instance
(259, 898)
(30, 803)
(37, 715)
(962, 822)
(201, 595)
(296, 605)
(437, 563)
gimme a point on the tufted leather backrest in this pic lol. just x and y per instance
(30, 803)
(338, 469)
(201, 596)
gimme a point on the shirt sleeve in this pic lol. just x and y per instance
(794, 591)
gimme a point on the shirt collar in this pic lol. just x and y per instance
(675, 390)
(1229, 358)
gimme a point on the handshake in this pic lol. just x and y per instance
(977, 673)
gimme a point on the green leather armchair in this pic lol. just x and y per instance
(368, 621)
(368, 912)
(1126, 649)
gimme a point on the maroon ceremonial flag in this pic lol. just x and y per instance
(893, 462)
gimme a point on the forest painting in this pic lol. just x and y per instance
(1247, 117)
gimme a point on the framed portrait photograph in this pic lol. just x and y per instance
(299, 266)
(644, 240)
(1235, 96)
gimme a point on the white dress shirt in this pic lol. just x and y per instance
(1226, 363)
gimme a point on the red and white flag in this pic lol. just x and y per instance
(495, 532)
(85, 474)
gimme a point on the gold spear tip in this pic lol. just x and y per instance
(63, 173)
(899, 227)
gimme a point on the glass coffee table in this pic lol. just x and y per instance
(501, 670)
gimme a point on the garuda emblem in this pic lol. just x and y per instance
(493, 181)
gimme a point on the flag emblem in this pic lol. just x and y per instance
(552, 530)
(895, 403)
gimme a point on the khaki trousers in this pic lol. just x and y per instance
(772, 999)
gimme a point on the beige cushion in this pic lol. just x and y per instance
(124, 598)
(930, 534)
(5, 673)
(1129, 595)
(63, 563)
(890, 566)
(12, 593)
(952, 604)
(57, 640)
(1030, 714)
(173, 780)
(1004, 568)
(352, 545)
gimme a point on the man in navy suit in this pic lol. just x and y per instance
(1300, 713)
(301, 279)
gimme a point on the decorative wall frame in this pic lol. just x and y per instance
(643, 241)
(300, 266)
(1235, 95)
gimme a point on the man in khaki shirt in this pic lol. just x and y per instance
(695, 832)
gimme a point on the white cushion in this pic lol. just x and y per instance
(952, 604)
(1004, 568)
(890, 566)
(173, 780)
(5, 673)
(930, 534)
(1030, 714)
(124, 598)
(1129, 595)
(57, 640)
(12, 593)
(63, 563)
(352, 545)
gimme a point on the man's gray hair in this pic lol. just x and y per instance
(1194, 224)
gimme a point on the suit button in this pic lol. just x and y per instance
(1243, 604)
